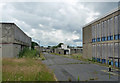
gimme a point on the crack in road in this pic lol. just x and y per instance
(67, 74)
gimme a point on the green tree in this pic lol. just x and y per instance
(34, 44)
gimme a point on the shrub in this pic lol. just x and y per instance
(26, 52)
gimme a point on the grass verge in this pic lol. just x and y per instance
(25, 69)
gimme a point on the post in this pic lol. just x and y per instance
(109, 65)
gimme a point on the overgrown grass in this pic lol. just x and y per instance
(28, 67)
(25, 69)
(28, 53)
(78, 56)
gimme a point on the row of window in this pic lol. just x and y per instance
(106, 28)
(116, 37)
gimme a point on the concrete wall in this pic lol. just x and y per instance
(59, 51)
(87, 42)
(13, 34)
(7, 33)
(21, 37)
(0, 52)
(75, 50)
(7, 50)
(12, 40)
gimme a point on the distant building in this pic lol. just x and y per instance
(76, 50)
(101, 38)
(12, 40)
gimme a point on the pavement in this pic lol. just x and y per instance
(71, 69)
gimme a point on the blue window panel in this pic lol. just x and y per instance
(103, 61)
(108, 37)
(111, 37)
(112, 63)
(105, 38)
(102, 38)
(98, 39)
(119, 64)
(95, 40)
(119, 36)
(108, 61)
(97, 59)
(116, 37)
(116, 63)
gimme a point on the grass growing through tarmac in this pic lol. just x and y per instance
(78, 56)
(25, 68)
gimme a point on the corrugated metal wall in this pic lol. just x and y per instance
(100, 30)
(106, 51)
(93, 51)
(108, 21)
(116, 50)
(111, 26)
(116, 25)
(103, 51)
(119, 25)
(102, 27)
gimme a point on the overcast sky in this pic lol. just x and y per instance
(51, 22)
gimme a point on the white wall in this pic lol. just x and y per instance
(64, 46)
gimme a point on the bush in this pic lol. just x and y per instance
(26, 52)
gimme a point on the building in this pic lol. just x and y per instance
(62, 50)
(12, 40)
(101, 38)
(76, 50)
(39, 48)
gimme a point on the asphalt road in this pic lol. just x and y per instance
(66, 68)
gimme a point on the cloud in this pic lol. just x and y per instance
(50, 22)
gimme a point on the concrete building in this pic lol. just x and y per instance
(39, 48)
(101, 38)
(12, 40)
(62, 50)
(76, 50)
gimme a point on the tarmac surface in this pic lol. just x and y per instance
(67, 68)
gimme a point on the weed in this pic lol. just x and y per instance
(25, 69)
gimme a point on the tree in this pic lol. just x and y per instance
(59, 45)
(33, 44)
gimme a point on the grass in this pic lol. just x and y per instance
(78, 56)
(25, 69)
(28, 53)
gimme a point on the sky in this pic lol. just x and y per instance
(51, 23)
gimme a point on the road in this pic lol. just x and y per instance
(66, 68)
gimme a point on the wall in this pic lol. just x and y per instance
(87, 43)
(75, 50)
(7, 33)
(103, 37)
(59, 51)
(13, 40)
(20, 37)
(7, 50)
